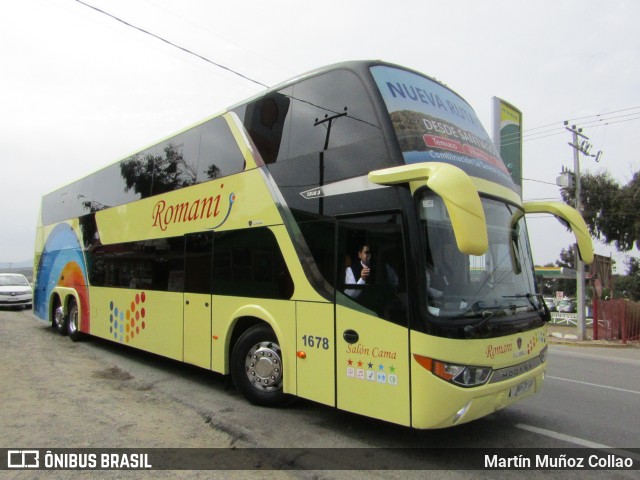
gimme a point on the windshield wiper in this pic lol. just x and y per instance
(530, 296)
(479, 309)
(471, 331)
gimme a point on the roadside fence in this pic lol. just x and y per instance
(617, 320)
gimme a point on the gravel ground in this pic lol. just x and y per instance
(57, 394)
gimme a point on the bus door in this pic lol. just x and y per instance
(198, 263)
(372, 336)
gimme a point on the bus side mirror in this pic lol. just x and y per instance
(458, 192)
(570, 216)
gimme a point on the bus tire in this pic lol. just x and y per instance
(59, 320)
(256, 367)
(73, 322)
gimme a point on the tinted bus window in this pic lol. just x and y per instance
(249, 263)
(354, 142)
(219, 154)
(320, 237)
(330, 95)
(150, 264)
(198, 262)
(385, 289)
(268, 122)
(53, 207)
(174, 162)
(110, 188)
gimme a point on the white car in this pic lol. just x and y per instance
(551, 303)
(15, 291)
(567, 305)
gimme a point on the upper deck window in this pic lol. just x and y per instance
(331, 95)
(202, 153)
(433, 124)
(316, 133)
(324, 112)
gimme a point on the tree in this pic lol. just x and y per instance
(153, 174)
(611, 211)
(628, 286)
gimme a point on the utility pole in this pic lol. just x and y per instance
(580, 144)
(329, 121)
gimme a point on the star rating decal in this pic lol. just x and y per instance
(377, 374)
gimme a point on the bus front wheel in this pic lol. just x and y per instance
(256, 367)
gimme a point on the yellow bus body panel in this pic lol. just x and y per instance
(237, 201)
(197, 329)
(373, 373)
(144, 319)
(315, 352)
(436, 403)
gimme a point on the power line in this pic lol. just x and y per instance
(600, 119)
(212, 62)
(603, 122)
(515, 140)
(539, 181)
(623, 121)
(246, 77)
(218, 36)
(605, 113)
(186, 50)
(560, 123)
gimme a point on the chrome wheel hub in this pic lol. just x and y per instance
(264, 366)
(58, 317)
(73, 321)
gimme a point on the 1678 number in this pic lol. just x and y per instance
(315, 342)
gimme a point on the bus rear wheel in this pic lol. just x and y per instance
(73, 323)
(59, 320)
(256, 367)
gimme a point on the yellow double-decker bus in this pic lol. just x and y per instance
(349, 237)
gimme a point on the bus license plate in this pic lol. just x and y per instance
(521, 388)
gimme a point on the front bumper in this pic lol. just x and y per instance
(16, 301)
(438, 404)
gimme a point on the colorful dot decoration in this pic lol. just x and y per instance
(531, 345)
(126, 324)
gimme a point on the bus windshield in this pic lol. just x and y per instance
(477, 291)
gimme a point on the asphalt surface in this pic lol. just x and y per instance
(96, 394)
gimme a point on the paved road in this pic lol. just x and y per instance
(592, 394)
(591, 399)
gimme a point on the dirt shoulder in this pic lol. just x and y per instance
(57, 394)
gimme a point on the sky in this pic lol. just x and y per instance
(80, 90)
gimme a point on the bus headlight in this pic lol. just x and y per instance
(462, 375)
